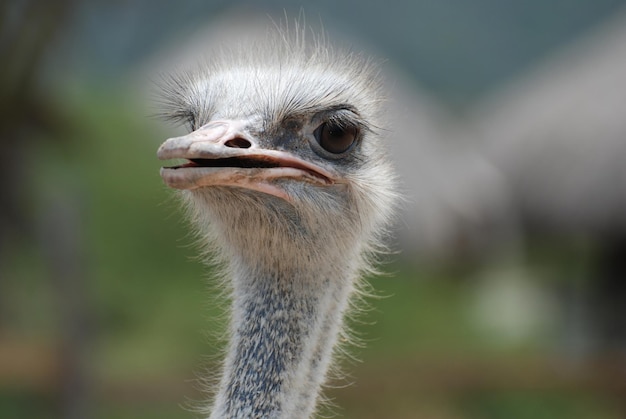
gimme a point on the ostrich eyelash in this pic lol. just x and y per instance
(345, 117)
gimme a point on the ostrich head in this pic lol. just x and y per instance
(286, 176)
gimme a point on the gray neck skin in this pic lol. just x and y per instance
(283, 330)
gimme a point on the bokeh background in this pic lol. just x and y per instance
(506, 298)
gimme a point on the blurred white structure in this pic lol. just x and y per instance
(559, 135)
(547, 150)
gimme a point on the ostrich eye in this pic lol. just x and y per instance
(334, 138)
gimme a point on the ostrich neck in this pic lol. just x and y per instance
(283, 329)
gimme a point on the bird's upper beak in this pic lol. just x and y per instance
(222, 153)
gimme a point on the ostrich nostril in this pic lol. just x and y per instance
(238, 143)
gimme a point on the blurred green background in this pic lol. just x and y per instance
(106, 313)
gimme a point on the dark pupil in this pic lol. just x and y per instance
(336, 139)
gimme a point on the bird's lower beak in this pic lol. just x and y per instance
(222, 154)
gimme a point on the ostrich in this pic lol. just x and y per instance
(288, 182)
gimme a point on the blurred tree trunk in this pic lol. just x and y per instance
(29, 30)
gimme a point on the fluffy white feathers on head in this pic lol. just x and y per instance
(283, 81)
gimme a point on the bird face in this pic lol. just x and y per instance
(249, 154)
(282, 153)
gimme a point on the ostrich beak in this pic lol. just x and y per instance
(222, 153)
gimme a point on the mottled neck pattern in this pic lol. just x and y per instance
(283, 332)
